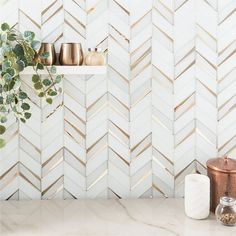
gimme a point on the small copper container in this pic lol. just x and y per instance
(48, 47)
(222, 174)
(71, 54)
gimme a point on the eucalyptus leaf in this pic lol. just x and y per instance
(7, 77)
(2, 129)
(35, 78)
(29, 35)
(25, 106)
(6, 64)
(47, 82)
(20, 65)
(53, 69)
(12, 37)
(58, 79)
(11, 72)
(49, 100)
(52, 93)
(35, 45)
(9, 99)
(23, 95)
(38, 86)
(18, 50)
(3, 119)
(2, 143)
(5, 27)
(29, 52)
(39, 66)
(11, 85)
(22, 120)
(27, 115)
(41, 94)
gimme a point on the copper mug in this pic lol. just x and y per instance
(222, 174)
(71, 54)
(51, 59)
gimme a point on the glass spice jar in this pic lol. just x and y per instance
(95, 57)
(226, 211)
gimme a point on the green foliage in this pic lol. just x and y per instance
(38, 85)
(27, 115)
(2, 129)
(18, 51)
(23, 95)
(41, 94)
(35, 45)
(49, 100)
(25, 106)
(7, 77)
(52, 93)
(5, 27)
(58, 79)
(29, 36)
(47, 82)
(3, 119)
(20, 65)
(35, 78)
(2, 143)
(39, 66)
(53, 70)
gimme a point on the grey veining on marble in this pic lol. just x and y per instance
(140, 217)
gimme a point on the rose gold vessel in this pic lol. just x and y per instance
(222, 174)
(71, 54)
(48, 47)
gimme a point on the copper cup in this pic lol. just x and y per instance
(48, 47)
(71, 54)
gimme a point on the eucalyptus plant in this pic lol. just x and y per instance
(18, 51)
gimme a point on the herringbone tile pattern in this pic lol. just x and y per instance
(166, 106)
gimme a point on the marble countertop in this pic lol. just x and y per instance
(141, 217)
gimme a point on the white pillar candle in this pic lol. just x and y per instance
(197, 196)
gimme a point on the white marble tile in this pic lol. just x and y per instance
(163, 217)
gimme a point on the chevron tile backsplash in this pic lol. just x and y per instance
(167, 105)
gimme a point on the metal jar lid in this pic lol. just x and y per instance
(223, 164)
(94, 49)
(227, 201)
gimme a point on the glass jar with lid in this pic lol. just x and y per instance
(226, 211)
(95, 57)
(222, 174)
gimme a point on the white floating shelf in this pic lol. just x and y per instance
(71, 70)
